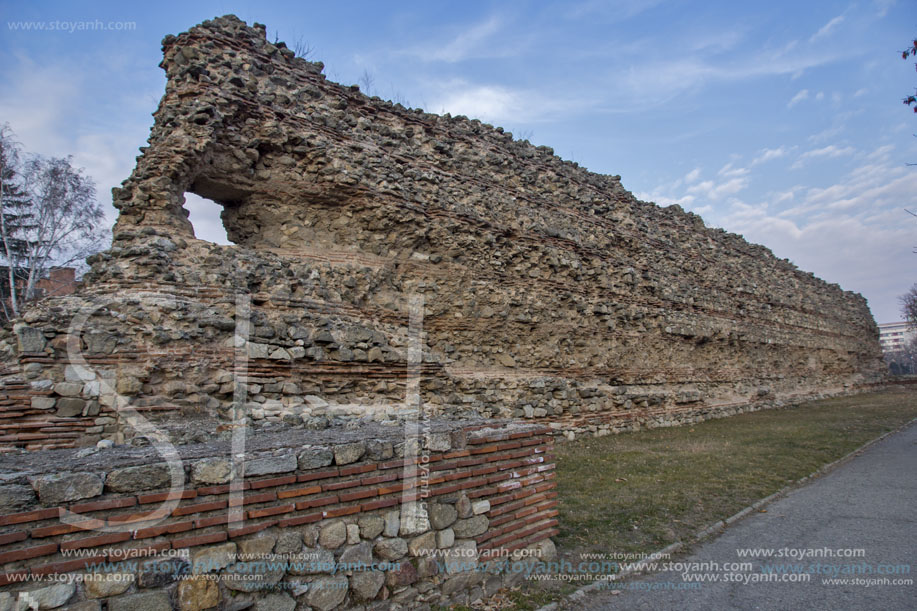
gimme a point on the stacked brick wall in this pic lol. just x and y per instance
(475, 493)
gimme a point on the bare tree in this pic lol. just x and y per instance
(367, 82)
(56, 221)
(909, 305)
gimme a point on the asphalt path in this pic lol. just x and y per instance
(816, 533)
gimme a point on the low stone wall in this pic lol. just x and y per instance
(323, 520)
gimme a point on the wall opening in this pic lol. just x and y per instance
(204, 215)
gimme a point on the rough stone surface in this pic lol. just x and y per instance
(552, 293)
(391, 549)
(423, 544)
(47, 597)
(442, 515)
(144, 477)
(102, 584)
(333, 536)
(366, 584)
(63, 487)
(145, 601)
(371, 526)
(270, 464)
(212, 471)
(197, 594)
(16, 497)
(470, 527)
(347, 453)
(326, 593)
(213, 558)
(392, 523)
(313, 458)
(275, 602)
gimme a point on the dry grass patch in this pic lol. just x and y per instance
(639, 492)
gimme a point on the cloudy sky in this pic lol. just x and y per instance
(781, 121)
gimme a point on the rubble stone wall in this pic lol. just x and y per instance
(548, 292)
(326, 519)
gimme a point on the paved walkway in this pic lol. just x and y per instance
(869, 503)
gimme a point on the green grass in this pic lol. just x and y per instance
(639, 492)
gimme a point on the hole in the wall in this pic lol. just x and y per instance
(204, 215)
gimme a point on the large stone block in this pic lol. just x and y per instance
(63, 487)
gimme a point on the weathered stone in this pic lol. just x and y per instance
(346, 453)
(197, 594)
(47, 597)
(479, 507)
(29, 338)
(377, 449)
(463, 556)
(327, 593)
(161, 572)
(391, 549)
(63, 487)
(424, 544)
(43, 402)
(470, 527)
(403, 575)
(102, 584)
(371, 526)
(143, 477)
(315, 457)
(333, 536)
(442, 515)
(288, 542)
(392, 523)
(241, 577)
(68, 407)
(463, 507)
(15, 498)
(414, 519)
(353, 534)
(213, 558)
(357, 557)
(365, 585)
(255, 547)
(145, 601)
(275, 602)
(270, 464)
(69, 389)
(312, 561)
(212, 471)
(445, 538)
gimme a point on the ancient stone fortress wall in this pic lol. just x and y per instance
(544, 291)
(330, 519)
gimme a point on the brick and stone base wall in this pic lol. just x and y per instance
(302, 519)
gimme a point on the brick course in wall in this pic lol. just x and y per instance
(504, 472)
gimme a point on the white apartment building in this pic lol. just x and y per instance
(894, 336)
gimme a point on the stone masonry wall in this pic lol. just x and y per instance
(549, 292)
(324, 520)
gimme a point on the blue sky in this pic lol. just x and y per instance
(781, 121)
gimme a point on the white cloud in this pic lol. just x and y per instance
(820, 96)
(717, 191)
(728, 170)
(692, 176)
(826, 29)
(474, 43)
(770, 154)
(495, 103)
(861, 92)
(828, 152)
(799, 97)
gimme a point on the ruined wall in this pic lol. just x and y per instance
(328, 520)
(549, 292)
